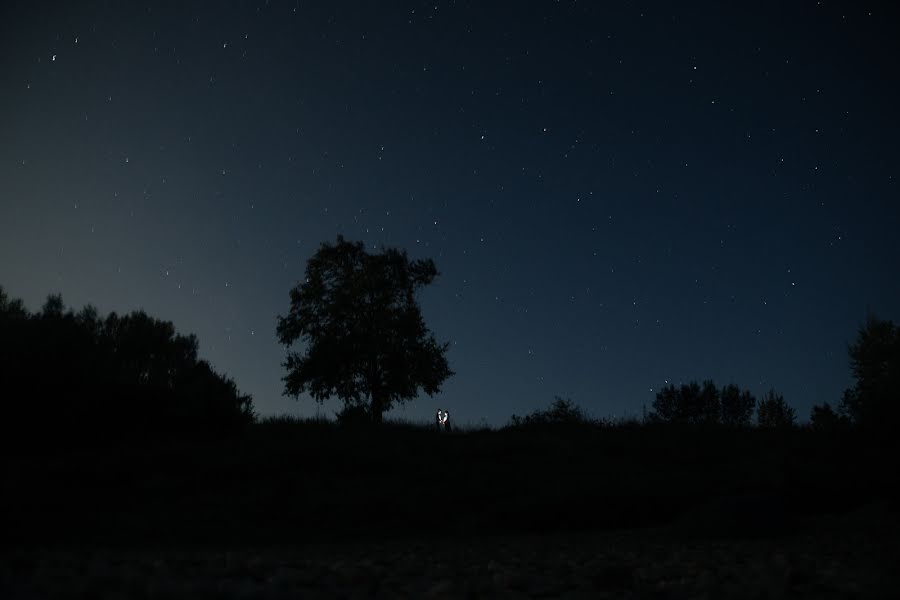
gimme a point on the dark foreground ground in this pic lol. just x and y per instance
(842, 559)
(853, 557)
(310, 511)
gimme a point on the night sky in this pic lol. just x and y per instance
(616, 195)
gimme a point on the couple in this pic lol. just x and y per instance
(442, 420)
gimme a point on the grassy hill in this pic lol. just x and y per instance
(288, 482)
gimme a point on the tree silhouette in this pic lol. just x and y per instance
(53, 307)
(11, 310)
(737, 406)
(691, 405)
(709, 405)
(203, 396)
(76, 374)
(825, 418)
(688, 403)
(774, 412)
(703, 404)
(366, 341)
(667, 405)
(874, 402)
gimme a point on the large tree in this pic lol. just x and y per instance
(365, 339)
(874, 402)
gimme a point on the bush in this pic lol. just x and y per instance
(561, 412)
(354, 414)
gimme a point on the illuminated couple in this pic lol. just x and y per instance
(442, 420)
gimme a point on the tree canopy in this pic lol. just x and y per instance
(703, 404)
(63, 372)
(874, 401)
(365, 338)
(774, 412)
(824, 418)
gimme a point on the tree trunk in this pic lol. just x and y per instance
(377, 408)
(375, 391)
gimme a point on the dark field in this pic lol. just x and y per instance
(312, 509)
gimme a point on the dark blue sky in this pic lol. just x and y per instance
(616, 196)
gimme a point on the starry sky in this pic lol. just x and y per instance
(617, 195)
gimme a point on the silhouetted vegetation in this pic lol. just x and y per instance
(290, 480)
(561, 412)
(874, 402)
(693, 403)
(737, 406)
(693, 465)
(354, 414)
(774, 412)
(366, 340)
(67, 375)
(825, 419)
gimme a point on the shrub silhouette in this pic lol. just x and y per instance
(874, 401)
(561, 412)
(366, 340)
(353, 414)
(774, 412)
(68, 374)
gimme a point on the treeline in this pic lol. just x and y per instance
(81, 374)
(688, 404)
(707, 404)
(71, 374)
(872, 404)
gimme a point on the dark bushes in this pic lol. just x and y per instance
(68, 376)
(561, 412)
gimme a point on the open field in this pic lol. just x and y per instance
(284, 508)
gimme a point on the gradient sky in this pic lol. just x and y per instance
(616, 195)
